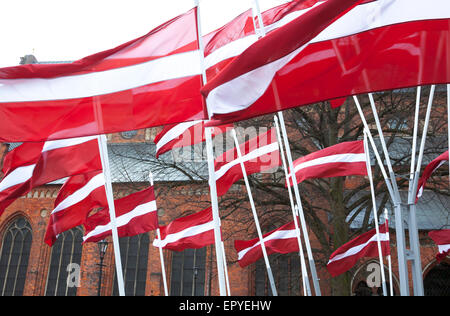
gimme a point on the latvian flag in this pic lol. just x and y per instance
(188, 232)
(33, 164)
(282, 240)
(365, 245)
(344, 159)
(442, 239)
(78, 196)
(259, 154)
(135, 214)
(183, 135)
(428, 171)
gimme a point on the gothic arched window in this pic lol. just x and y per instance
(14, 255)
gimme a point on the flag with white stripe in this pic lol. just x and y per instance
(363, 246)
(343, 159)
(188, 232)
(337, 48)
(33, 164)
(149, 81)
(78, 196)
(135, 214)
(428, 171)
(442, 239)
(259, 154)
(281, 240)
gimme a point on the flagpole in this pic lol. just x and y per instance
(161, 256)
(255, 216)
(386, 223)
(290, 162)
(112, 212)
(375, 215)
(211, 171)
(226, 270)
(395, 196)
(305, 279)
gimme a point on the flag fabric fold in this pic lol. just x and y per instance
(442, 239)
(343, 159)
(78, 196)
(281, 240)
(135, 214)
(363, 246)
(428, 171)
(33, 164)
(188, 232)
(335, 49)
(259, 154)
(149, 81)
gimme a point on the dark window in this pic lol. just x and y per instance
(14, 255)
(437, 281)
(188, 273)
(66, 250)
(134, 256)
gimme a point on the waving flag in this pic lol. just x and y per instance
(149, 81)
(442, 240)
(428, 171)
(78, 196)
(282, 240)
(344, 159)
(33, 164)
(135, 214)
(365, 245)
(336, 49)
(192, 231)
(183, 135)
(259, 154)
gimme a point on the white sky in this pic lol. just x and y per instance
(67, 30)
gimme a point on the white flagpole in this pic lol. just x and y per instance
(306, 287)
(212, 178)
(112, 212)
(375, 215)
(161, 256)
(391, 285)
(255, 216)
(226, 270)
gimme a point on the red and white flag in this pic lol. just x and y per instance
(337, 48)
(33, 164)
(344, 159)
(281, 240)
(442, 239)
(259, 154)
(78, 196)
(135, 214)
(149, 81)
(188, 232)
(183, 135)
(363, 246)
(428, 171)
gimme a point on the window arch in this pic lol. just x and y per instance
(66, 250)
(437, 280)
(367, 274)
(14, 255)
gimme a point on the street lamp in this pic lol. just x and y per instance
(102, 247)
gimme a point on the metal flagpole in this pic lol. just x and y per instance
(212, 178)
(386, 222)
(255, 216)
(289, 158)
(293, 177)
(226, 271)
(112, 212)
(395, 196)
(305, 279)
(375, 216)
(161, 256)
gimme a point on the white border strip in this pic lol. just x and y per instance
(188, 232)
(17, 176)
(174, 132)
(345, 158)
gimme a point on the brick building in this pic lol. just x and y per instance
(29, 267)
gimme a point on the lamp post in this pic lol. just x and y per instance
(102, 247)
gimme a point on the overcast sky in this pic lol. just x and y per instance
(67, 30)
